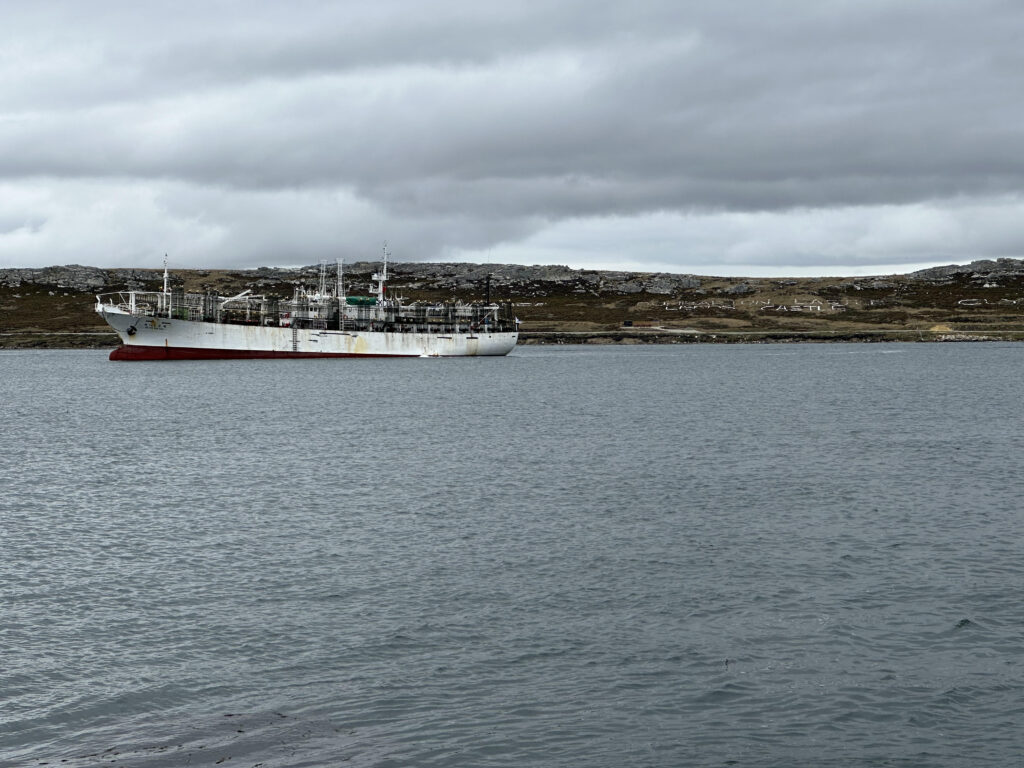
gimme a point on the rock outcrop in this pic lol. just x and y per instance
(535, 280)
(983, 270)
(75, 277)
(538, 280)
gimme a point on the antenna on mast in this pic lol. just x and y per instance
(165, 273)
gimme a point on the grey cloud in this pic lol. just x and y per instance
(497, 121)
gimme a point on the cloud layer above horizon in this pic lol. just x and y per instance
(811, 137)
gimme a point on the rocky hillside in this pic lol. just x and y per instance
(52, 306)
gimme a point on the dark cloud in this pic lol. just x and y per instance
(247, 132)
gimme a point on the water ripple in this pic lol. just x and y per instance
(606, 557)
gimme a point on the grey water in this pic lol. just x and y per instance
(763, 555)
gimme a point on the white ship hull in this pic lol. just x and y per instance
(162, 338)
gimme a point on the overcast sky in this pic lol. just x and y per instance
(796, 137)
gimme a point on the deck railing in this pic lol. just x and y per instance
(315, 315)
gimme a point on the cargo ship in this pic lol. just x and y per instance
(174, 325)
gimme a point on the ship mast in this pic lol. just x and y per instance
(166, 298)
(381, 278)
(340, 295)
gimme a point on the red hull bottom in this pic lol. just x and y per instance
(185, 353)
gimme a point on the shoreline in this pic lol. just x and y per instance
(54, 307)
(11, 340)
(762, 337)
